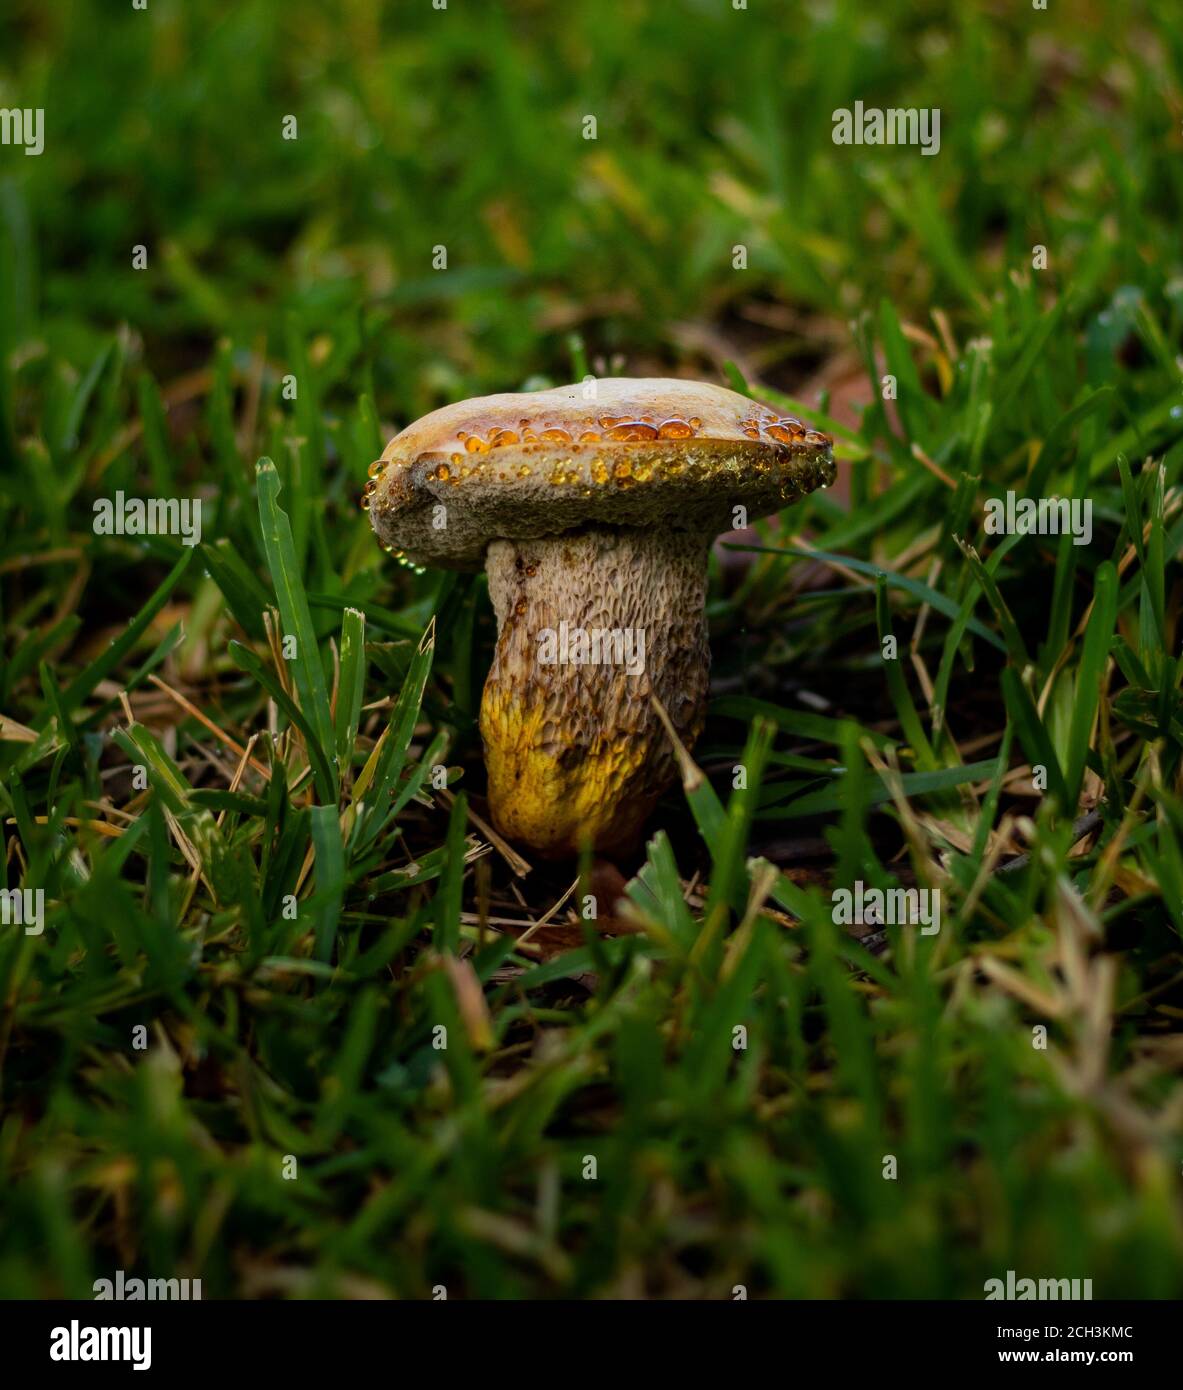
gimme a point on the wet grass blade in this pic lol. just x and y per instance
(350, 687)
(449, 899)
(1015, 646)
(1033, 736)
(330, 878)
(1089, 677)
(377, 784)
(897, 685)
(307, 667)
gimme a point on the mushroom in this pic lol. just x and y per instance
(592, 508)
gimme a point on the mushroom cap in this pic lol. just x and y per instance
(620, 451)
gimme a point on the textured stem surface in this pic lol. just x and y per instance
(589, 625)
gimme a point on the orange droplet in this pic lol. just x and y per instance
(589, 437)
(780, 433)
(443, 472)
(674, 429)
(695, 423)
(633, 430)
(475, 445)
(376, 468)
(554, 435)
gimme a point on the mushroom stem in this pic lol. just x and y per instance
(590, 624)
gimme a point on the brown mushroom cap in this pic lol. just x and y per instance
(619, 451)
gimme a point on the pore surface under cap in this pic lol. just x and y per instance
(637, 452)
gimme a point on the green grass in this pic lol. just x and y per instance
(289, 902)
